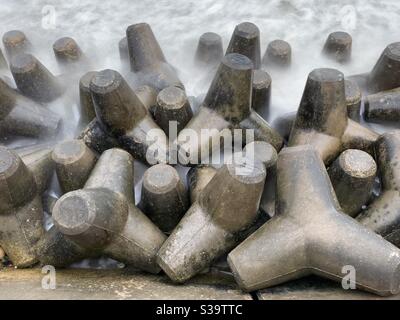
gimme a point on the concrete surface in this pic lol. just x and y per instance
(119, 284)
(114, 284)
(314, 288)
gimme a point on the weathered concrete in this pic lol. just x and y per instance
(93, 134)
(309, 234)
(386, 73)
(15, 42)
(266, 153)
(314, 288)
(34, 80)
(283, 124)
(129, 284)
(21, 213)
(209, 50)
(211, 226)
(338, 46)
(38, 160)
(68, 54)
(226, 106)
(353, 99)
(74, 161)
(322, 119)
(22, 116)
(121, 114)
(353, 176)
(245, 40)
(278, 54)
(87, 112)
(383, 214)
(172, 105)
(101, 218)
(96, 138)
(382, 106)
(261, 95)
(147, 59)
(164, 198)
(119, 284)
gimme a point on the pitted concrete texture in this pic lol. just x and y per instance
(314, 288)
(115, 284)
(130, 284)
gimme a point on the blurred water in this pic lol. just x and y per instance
(305, 24)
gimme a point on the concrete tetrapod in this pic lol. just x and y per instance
(383, 106)
(310, 235)
(22, 116)
(322, 119)
(209, 50)
(210, 228)
(101, 218)
(198, 177)
(164, 198)
(383, 214)
(123, 51)
(94, 136)
(15, 42)
(353, 176)
(261, 96)
(74, 161)
(283, 124)
(67, 51)
(172, 105)
(353, 99)
(121, 114)
(21, 213)
(267, 154)
(245, 40)
(355, 136)
(38, 160)
(338, 46)
(385, 75)
(68, 54)
(55, 249)
(34, 80)
(278, 54)
(226, 106)
(147, 59)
